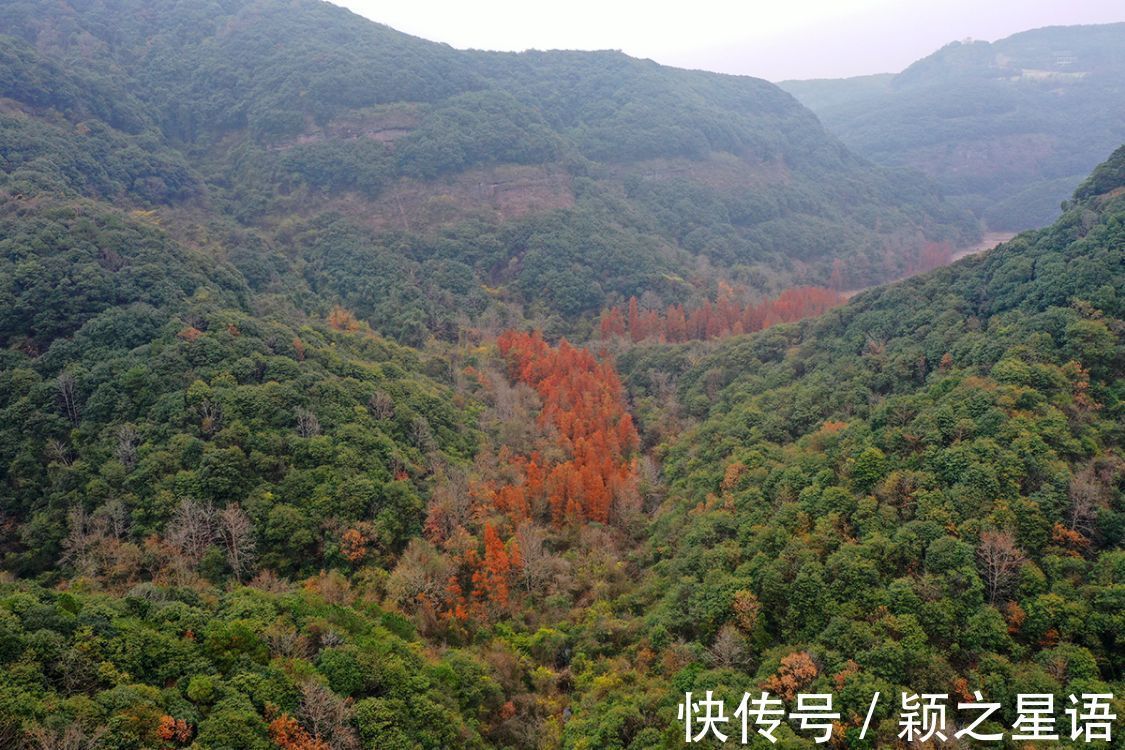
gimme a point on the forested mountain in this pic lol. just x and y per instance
(921, 490)
(294, 453)
(269, 131)
(1007, 128)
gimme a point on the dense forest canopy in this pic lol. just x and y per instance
(359, 392)
(1006, 128)
(919, 490)
(922, 487)
(568, 181)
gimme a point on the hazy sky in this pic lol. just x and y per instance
(774, 39)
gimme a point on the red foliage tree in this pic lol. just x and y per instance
(584, 401)
(724, 317)
(287, 734)
(353, 545)
(490, 583)
(573, 481)
(173, 731)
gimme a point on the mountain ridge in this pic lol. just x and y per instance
(259, 114)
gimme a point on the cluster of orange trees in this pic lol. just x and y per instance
(572, 476)
(584, 401)
(711, 320)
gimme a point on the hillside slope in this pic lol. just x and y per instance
(562, 180)
(1008, 128)
(920, 490)
(269, 478)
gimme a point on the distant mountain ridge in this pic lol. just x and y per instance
(1007, 128)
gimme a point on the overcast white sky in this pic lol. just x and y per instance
(774, 39)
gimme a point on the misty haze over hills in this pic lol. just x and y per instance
(1007, 129)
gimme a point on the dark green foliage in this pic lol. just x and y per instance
(62, 266)
(122, 663)
(477, 128)
(359, 165)
(1108, 176)
(303, 108)
(851, 474)
(213, 400)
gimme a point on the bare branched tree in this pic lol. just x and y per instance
(286, 641)
(267, 580)
(450, 503)
(381, 405)
(114, 517)
(422, 573)
(126, 447)
(1090, 492)
(237, 533)
(422, 435)
(729, 649)
(83, 542)
(78, 673)
(1000, 560)
(74, 737)
(210, 416)
(1085, 501)
(307, 424)
(192, 529)
(535, 558)
(59, 452)
(66, 387)
(513, 410)
(327, 716)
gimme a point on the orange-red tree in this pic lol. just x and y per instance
(491, 581)
(724, 317)
(570, 475)
(584, 401)
(287, 734)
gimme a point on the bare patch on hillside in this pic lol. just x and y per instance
(385, 123)
(1018, 155)
(493, 194)
(719, 171)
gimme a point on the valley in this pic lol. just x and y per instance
(361, 392)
